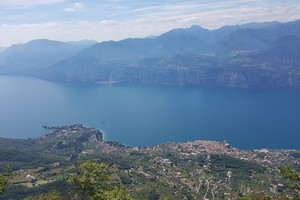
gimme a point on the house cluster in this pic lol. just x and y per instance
(26, 175)
(202, 147)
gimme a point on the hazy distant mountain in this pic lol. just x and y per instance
(2, 49)
(85, 43)
(243, 40)
(260, 25)
(283, 53)
(249, 55)
(288, 28)
(151, 36)
(255, 36)
(194, 39)
(35, 54)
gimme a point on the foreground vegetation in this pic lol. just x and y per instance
(94, 181)
(73, 162)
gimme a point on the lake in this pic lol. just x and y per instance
(142, 115)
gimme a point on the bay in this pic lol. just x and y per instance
(143, 115)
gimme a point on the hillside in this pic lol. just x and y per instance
(191, 170)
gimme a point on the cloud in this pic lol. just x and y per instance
(215, 14)
(26, 3)
(147, 8)
(241, 15)
(74, 7)
(141, 19)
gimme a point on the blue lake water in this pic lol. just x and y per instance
(148, 115)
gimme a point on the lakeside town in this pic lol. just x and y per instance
(191, 170)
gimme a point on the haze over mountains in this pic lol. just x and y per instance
(2, 49)
(250, 55)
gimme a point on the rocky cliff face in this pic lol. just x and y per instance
(245, 70)
(239, 77)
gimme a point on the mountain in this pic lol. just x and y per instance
(260, 25)
(249, 55)
(243, 40)
(187, 170)
(283, 53)
(254, 36)
(36, 54)
(194, 39)
(2, 49)
(83, 42)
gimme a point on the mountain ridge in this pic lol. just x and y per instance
(231, 56)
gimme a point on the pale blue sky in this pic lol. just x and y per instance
(66, 20)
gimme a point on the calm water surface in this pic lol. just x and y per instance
(148, 115)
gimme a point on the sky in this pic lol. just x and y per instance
(102, 20)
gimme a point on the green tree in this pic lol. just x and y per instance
(293, 180)
(93, 182)
(256, 196)
(4, 177)
(289, 173)
(51, 195)
(3, 182)
(153, 195)
(118, 193)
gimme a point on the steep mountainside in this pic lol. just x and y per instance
(250, 55)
